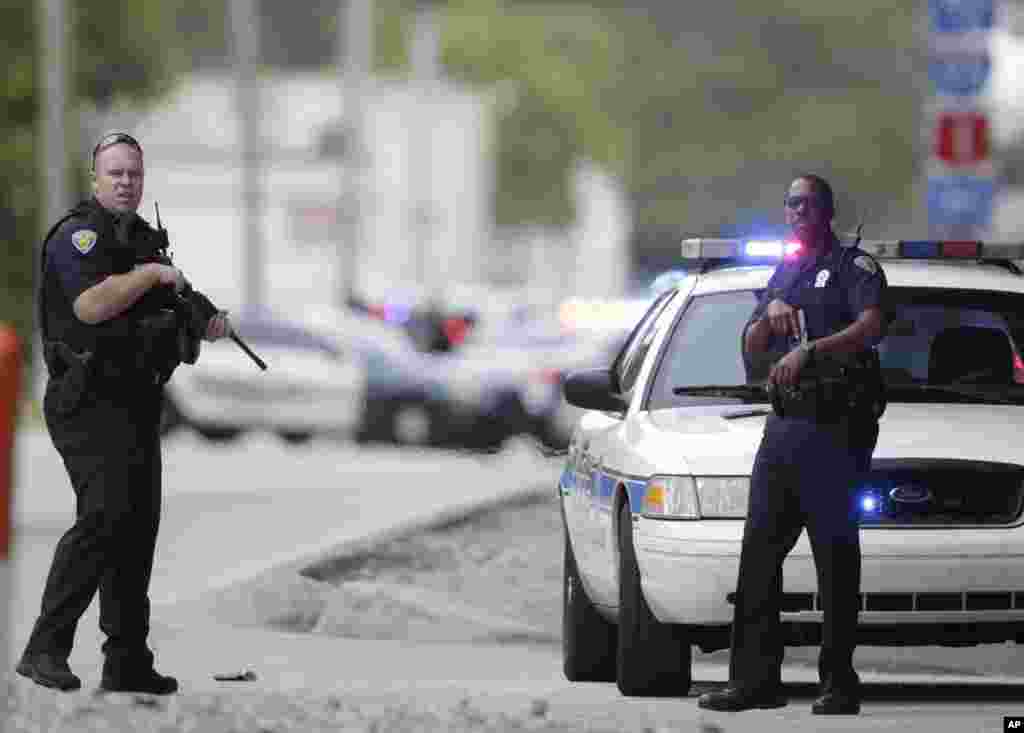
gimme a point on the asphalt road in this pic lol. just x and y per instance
(237, 510)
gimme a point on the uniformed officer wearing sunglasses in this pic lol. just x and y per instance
(809, 461)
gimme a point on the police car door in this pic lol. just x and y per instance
(601, 451)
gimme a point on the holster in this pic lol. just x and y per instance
(70, 373)
(830, 392)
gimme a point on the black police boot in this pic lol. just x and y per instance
(49, 670)
(145, 680)
(735, 699)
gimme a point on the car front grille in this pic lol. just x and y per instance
(941, 493)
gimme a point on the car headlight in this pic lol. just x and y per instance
(723, 497)
(696, 497)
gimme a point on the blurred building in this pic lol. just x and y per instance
(1004, 99)
(426, 195)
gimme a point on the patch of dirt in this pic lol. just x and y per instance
(494, 574)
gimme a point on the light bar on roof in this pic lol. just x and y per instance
(896, 249)
(941, 249)
(770, 248)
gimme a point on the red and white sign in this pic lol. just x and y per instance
(962, 138)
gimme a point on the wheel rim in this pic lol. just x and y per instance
(412, 425)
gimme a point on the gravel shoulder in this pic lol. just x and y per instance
(493, 575)
(30, 709)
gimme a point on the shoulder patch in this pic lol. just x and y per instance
(866, 263)
(84, 240)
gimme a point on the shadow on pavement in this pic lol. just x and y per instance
(902, 692)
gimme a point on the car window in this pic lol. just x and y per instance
(631, 358)
(936, 336)
(939, 336)
(704, 348)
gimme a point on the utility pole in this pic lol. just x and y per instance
(426, 73)
(355, 53)
(245, 32)
(54, 158)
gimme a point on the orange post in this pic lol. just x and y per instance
(10, 373)
(10, 368)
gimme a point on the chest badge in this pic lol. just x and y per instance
(822, 279)
(84, 240)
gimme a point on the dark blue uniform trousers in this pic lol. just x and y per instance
(111, 449)
(804, 475)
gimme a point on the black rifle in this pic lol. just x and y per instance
(198, 303)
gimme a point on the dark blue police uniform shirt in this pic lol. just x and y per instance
(80, 257)
(832, 289)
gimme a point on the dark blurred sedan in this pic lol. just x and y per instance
(507, 380)
(404, 402)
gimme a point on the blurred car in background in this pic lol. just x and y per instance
(314, 383)
(405, 401)
(364, 375)
(506, 379)
(432, 327)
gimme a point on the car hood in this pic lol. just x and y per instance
(724, 439)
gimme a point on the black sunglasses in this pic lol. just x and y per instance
(793, 202)
(114, 138)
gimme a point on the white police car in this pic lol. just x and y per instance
(316, 381)
(655, 487)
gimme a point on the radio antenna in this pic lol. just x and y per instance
(860, 227)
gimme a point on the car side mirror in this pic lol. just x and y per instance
(593, 389)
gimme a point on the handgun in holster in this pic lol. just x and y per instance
(69, 375)
(830, 390)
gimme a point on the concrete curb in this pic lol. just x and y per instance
(292, 596)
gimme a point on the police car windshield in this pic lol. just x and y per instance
(942, 345)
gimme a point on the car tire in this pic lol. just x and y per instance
(653, 659)
(295, 437)
(588, 640)
(218, 433)
(552, 439)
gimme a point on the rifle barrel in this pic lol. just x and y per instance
(249, 352)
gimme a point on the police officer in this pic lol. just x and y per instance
(808, 462)
(110, 342)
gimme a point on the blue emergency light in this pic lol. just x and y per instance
(871, 503)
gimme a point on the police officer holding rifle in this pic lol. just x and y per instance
(827, 393)
(117, 318)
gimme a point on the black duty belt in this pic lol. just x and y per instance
(831, 395)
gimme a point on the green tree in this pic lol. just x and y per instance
(561, 63)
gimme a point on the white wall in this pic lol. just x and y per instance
(193, 172)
